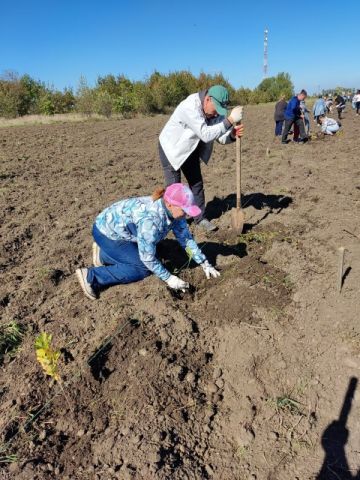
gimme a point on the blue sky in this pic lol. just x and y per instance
(58, 41)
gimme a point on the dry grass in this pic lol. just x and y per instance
(47, 119)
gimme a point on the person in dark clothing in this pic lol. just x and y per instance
(294, 116)
(279, 115)
(340, 105)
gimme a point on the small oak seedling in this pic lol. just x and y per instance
(47, 356)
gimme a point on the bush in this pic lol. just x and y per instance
(242, 96)
(63, 102)
(13, 96)
(104, 103)
(46, 105)
(86, 100)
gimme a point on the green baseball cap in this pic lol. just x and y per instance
(220, 98)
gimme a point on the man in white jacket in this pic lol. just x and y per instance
(188, 137)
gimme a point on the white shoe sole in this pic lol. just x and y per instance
(80, 276)
(96, 255)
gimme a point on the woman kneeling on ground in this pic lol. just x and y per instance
(329, 126)
(127, 232)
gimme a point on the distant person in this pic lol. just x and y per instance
(306, 117)
(340, 105)
(188, 137)
(329, 103)
(279, 115)
(356, 100)
(319, 109)
(329, 126)
(126, 235)
(294, 116)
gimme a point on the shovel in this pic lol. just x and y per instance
(237, 214)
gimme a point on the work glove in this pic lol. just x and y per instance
(209, 270)
(236, 115)
(176, 283)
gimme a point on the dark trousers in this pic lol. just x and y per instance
(289, 123)
(192, 172)
(121, 261)
(357, 105)
(339, 110)
(278, 127)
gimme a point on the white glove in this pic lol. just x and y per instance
(209, 270)
(236, 115)
(176, 283)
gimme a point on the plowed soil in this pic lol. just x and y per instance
(242, 378)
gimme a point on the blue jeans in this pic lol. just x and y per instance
(278, 127)
(121, 261)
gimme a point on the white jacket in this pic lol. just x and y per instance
(329, 126)
(187, 126)
(356, 98)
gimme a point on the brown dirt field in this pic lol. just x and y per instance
(244, 377)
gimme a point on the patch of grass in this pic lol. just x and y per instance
(302, 444)
(288, 283)
(11, 335)
(241, 451)
(258, 237)
(11, 458)
(302, 386)
(43, 272)
(41, 275)
(275, 313)
(267, 279)
(288, 404)
(282, 191)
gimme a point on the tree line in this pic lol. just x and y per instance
(159, 93)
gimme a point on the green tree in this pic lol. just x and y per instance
(64, 102)
(32, 91)
(86, 98)
(46, 104)
(242, 96)
(104, 103)
(270, 89)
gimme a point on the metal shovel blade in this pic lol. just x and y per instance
(237, 220)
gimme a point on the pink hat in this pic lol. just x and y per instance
(181, 196)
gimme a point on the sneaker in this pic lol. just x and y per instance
(81, 274)
(206, 225)
(96, 255)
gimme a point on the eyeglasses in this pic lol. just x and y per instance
(222, 104)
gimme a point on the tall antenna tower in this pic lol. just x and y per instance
(265, 66)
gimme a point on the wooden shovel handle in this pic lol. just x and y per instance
(238, 172)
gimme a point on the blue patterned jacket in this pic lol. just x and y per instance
(146, 222)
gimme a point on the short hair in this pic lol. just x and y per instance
(303, 92)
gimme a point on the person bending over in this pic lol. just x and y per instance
(329, 126)
(126, 235)
(188, 137)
